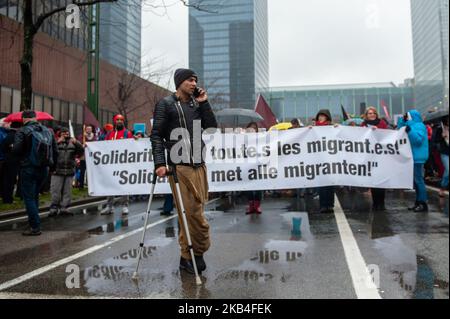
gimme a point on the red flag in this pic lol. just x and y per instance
(89, 117)
(263, 109)
(386, 110)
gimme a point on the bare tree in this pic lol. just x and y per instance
(32, 25)
(124, 94)
(30, 29)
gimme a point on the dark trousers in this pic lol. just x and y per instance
(9, 180)
(378, 196)
(326, 196)
(1, 176)
(32, 180)
(254, 195)
(82, 173)
(419, 184)
(168, 203)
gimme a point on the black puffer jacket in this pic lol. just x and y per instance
(67, 152)
(169, 116)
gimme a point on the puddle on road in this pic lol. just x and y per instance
(412, 272)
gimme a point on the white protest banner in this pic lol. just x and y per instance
(321, 156)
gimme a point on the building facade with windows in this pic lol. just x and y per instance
(430, 48)
(54, 26)
(228, 48)
(304, 102)
(60, 77)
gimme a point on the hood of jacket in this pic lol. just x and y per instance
(326, 113)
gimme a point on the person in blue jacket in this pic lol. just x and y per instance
(418, 137)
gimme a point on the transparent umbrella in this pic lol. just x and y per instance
(237, 117)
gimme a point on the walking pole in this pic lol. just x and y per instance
(186, 227)
(141, 245)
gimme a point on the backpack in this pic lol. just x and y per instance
(3, 135)
(41, 154)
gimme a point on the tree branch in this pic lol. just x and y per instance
(40, 20)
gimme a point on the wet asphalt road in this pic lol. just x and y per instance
(261, 257)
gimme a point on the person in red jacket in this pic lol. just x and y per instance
(372, 120)
(119, 132)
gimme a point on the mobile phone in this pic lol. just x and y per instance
(196, 92)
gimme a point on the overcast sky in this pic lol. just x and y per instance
(311, 42)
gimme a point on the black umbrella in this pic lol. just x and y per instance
(433, 116)
(238, 116)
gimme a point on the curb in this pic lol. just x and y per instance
(23, 212)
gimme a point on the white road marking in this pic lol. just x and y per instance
(364, 286)
(46, 213)
(40, 271)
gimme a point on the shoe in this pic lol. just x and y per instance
(125, 210)
(379, 208)
(326, 210)
(250, 208)
(32, 232)
(416, 204)
(53, 212)
(200, 262)
(107, 211)
(187, 265)
(66, 212)
(422, 208)
(257, 207)
(163, 213)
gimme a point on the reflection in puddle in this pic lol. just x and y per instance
(413, 273)
(103, 277)
(110, 227)
(298, 224)
(248, 271)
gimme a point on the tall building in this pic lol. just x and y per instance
(304, 102)
(430, 45)
(120, 34)
(228, 48)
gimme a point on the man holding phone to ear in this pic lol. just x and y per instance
(187, 107)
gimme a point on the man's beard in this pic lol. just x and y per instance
(119, 127)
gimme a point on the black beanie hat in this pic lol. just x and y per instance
(182, 75)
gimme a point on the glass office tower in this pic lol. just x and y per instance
(120, 34)
(228, 48)
(430, 44)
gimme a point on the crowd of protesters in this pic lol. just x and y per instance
(430, 146)
(25, 173)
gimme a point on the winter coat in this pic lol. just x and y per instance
(381, 124)
(326, 113)
(439, 142)
(418, 136)
(169, 115)
(67, 152)
(115, 135)
(23, 143)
